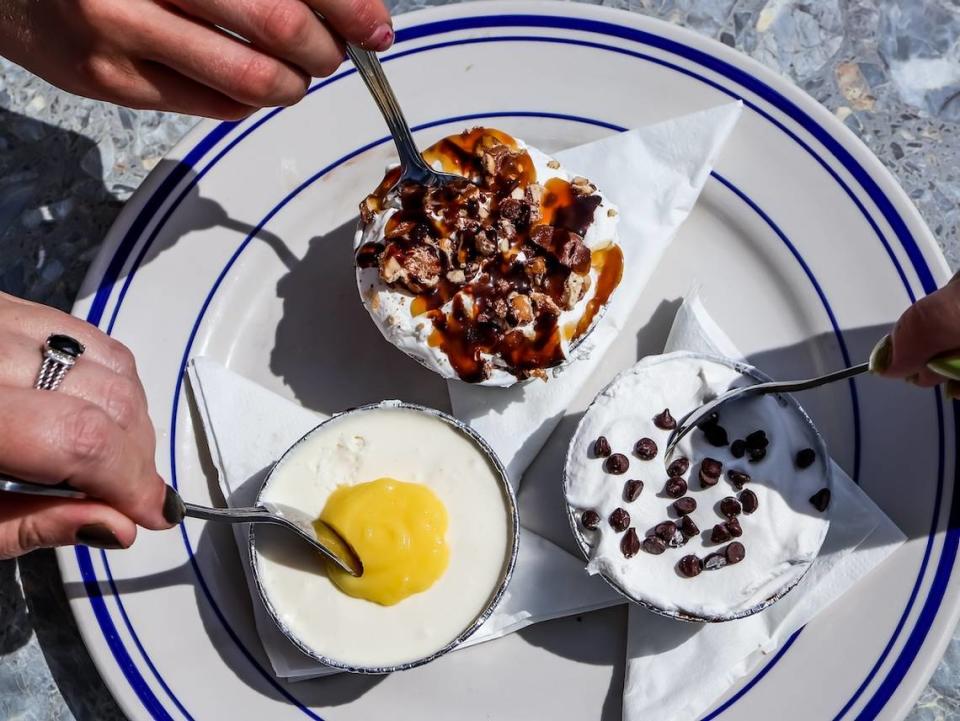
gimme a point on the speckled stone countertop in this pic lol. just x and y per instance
(889, 70)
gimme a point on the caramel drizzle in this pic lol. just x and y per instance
(460, 333)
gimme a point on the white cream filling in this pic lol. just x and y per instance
(409, 446)
(782, 538)
(390, 308)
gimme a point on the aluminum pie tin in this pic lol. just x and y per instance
(786, 401)
(505, 575)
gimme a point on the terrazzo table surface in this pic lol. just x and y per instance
(889, 70)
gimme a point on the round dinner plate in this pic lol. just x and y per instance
(238, 247)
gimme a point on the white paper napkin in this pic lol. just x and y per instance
(654, 175)
(547, 583)
(717, 655)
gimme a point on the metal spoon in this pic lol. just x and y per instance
(947, 365)
(413, 168)
(318, 534)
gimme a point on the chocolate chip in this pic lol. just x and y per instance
(757, 439)
(688, 528)
(734, 528)
(738, 478)
(652, 544)
(730, 507)
(806, 457)
(756, 454)
(619, 520)
(666, 530)
(631, 490)
(685, 506)
(714, 561)
(710, 470)
(738, 448)
(735, 552)
(821, 499)
(590, 519)
(675, 487)
(664, 421)
(678, 539)
(601, 447)
(617, 464)
(749, 501)
(716, 435)
(720, 534)
(630, 543)
(678, 467)
(689, 566)
(645, 449)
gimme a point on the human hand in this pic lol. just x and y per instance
(174, 55)
(928, 328)
(92, 432)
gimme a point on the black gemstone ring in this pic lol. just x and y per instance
(60, 353)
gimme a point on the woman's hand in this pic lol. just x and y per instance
(184, 55)
(92, 432)
(928, 328)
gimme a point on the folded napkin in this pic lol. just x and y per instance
(547, 582)
(717, 655)
(654, 175)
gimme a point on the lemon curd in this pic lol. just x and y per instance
(399, 532)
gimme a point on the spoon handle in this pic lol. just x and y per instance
(191, 510)
(369, 68)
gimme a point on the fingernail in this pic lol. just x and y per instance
(381, 38)
(173, 510)
(952, 389)
(97, 535)
(882, 355)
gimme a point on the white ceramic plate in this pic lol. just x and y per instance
(238, 247)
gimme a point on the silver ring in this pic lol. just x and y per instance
(60, 354)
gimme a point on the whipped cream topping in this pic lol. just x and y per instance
(413, 331)
(781, 538)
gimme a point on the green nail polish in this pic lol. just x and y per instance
(882, 355)
(97, 535)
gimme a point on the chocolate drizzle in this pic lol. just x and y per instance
(493, 261)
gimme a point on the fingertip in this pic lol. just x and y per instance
(381, 38)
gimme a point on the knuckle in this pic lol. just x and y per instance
(122, 400)
(363, 16)
(122, 357)
(286, 23)
(30, 535)
(99, 72)
(87, 434)
(261, 78)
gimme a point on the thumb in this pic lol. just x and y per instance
(30, 522)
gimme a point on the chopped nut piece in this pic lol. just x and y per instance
(456, 276)
(544, 304)
(485, 243)
(521, 309)
(416, 268)
(535, 269)
(368, 208)
(553, 164)
(401, 230)
(574, 288)
(611, 213)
